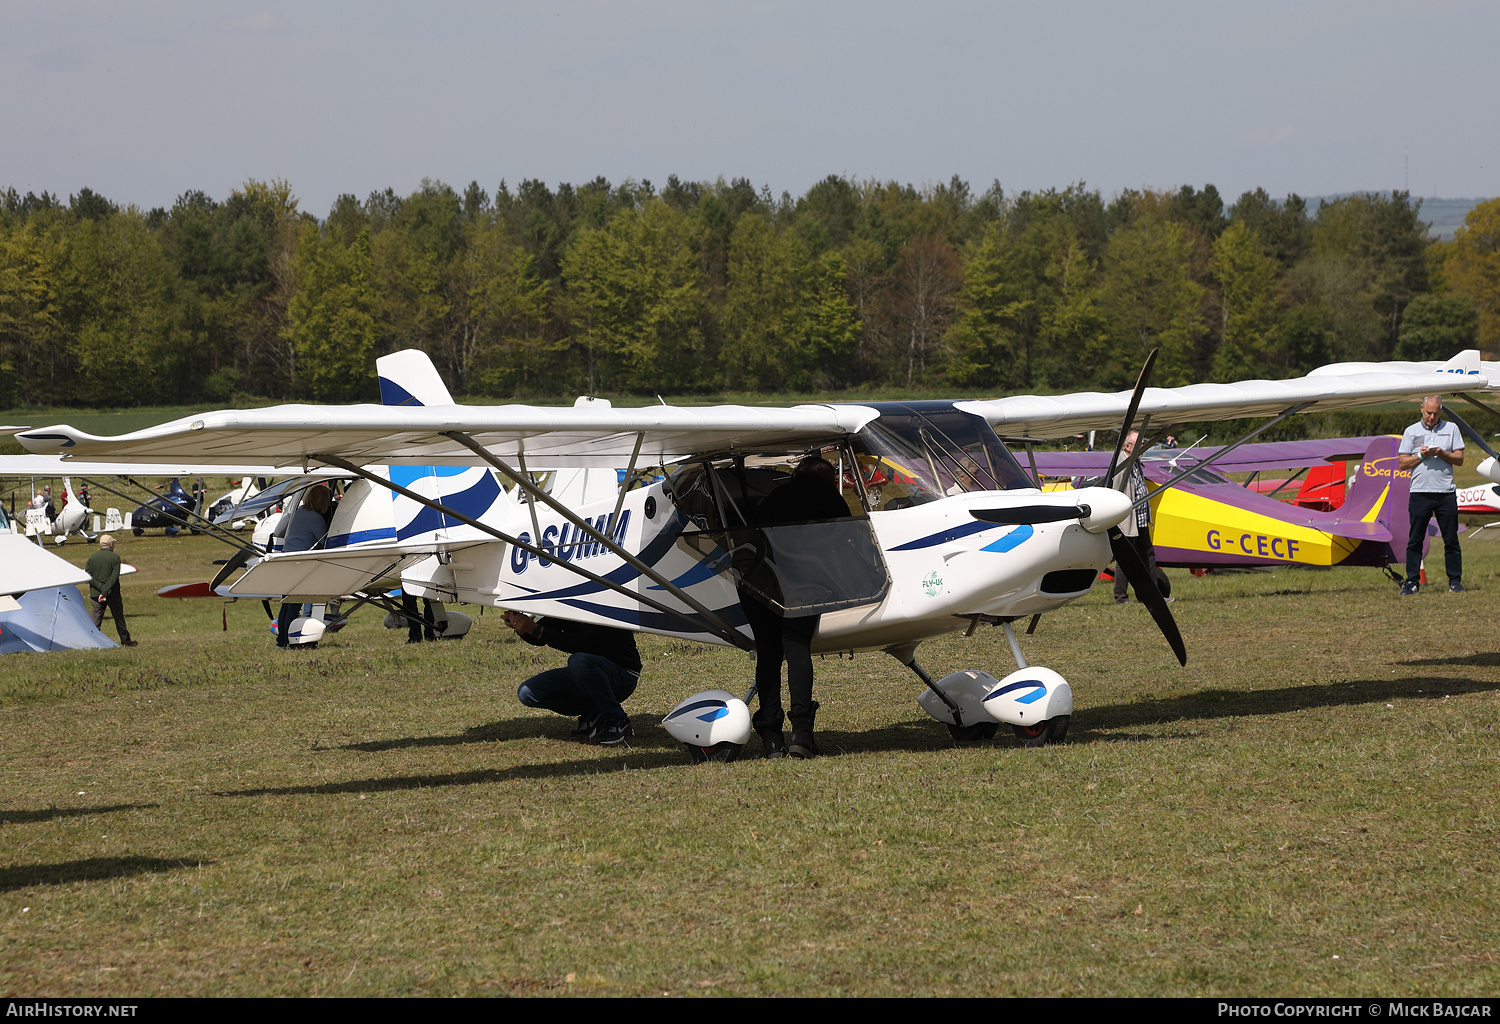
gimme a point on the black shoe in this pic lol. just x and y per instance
(137, 643)
(767, 725)
(585, 728)
(1456, 588)
(612, 732)
(802, 745)
(1122, 600)
(1409, 588)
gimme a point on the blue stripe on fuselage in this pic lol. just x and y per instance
(953, 533)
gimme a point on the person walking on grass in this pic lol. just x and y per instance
(103, 568)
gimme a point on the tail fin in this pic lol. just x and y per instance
(409, 378)
(1465, 363)
(1380, 491)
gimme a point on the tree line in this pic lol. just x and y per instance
(702, 287)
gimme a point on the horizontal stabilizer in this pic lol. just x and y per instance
(330, 573)
(200, 589)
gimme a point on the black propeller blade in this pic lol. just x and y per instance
(1145, 588)
(1030, 515)
(237, 560)
(1135, 403)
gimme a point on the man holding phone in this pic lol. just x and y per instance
(1429, 450)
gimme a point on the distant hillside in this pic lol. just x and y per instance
(1445, 215)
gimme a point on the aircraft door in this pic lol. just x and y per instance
(801, 568)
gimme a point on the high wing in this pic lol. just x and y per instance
(1064, 415)
(54, 465)
(1248, 458)
(295, 435)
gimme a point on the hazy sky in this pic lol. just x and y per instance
(142, 101)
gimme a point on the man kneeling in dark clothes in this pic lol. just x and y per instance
(603, 668)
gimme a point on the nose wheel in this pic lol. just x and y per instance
(1053, 730)
(719, 752)
(1036, 702)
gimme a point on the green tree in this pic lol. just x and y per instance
(1250, 301)
(766, 306)
(124, 324)
(1473, 267)
(331, 323)
(833, 329)
(996, 311)
(1384, 243)
(927, 279)
(34, 365)
(1153, 302)
(1338, 287)
(1282, 227)
(500, 314)
(1437, 327)
(637, 299)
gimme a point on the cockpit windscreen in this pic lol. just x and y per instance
(919, 452)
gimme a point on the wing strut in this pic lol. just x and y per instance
(537, 494)
(210, 527)
(1470, 432)
(1294, 410)
(716, 626)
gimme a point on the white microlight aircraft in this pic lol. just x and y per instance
(946, 529)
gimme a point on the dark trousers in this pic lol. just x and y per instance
(777, 640)
(1420, 508)
(1147, 551)
(289, 610)
(116, 608)
(589, 684)
(417, 626)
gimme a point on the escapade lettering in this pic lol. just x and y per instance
(568, 543)
(1254, 544)
(1376, 469)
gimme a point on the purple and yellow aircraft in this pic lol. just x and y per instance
(1208, 521)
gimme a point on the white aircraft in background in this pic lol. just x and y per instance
(947, 531)
(1466, 364)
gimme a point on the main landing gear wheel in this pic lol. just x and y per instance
(719, 752)
(138, 531)
(1053, 730)
(977, 731)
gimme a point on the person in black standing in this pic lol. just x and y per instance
(811, 493)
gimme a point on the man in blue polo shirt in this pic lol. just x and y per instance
(1429, 450)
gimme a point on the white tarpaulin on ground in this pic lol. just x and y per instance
(50, 619)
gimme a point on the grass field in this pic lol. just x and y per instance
(1308, 808)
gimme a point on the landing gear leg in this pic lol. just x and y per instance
(965, 726)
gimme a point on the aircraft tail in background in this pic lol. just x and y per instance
(409, 378)
(371, 515)
(1376, 503)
